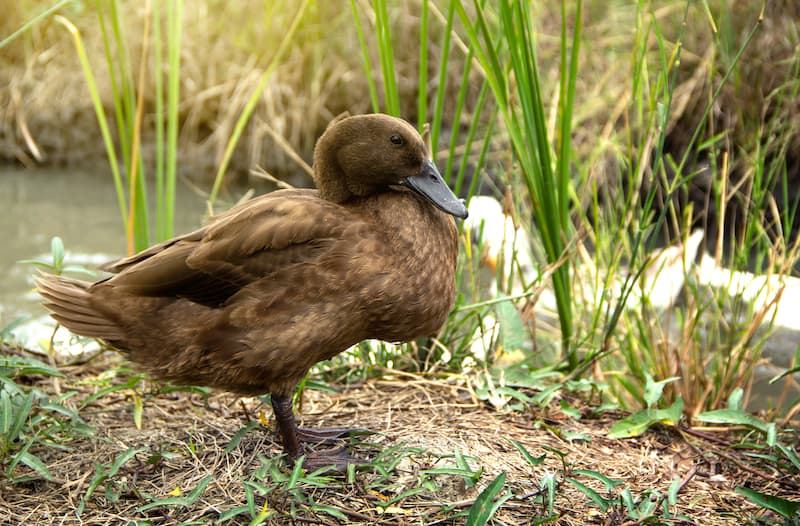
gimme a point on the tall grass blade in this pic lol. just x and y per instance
(253, 100)
(102, 120)
(33, 21)
(456, 119)
(124, 95)
(383, 28)
(523, 115)
(369, 73)
(422, 89)
(441, 84)
(160, 165)
(136, 179)
(174, 32)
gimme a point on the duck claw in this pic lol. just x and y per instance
(328, 435)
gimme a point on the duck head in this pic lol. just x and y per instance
(367, 154)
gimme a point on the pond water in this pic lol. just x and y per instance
(79, 207)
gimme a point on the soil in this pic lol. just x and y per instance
(420, 424)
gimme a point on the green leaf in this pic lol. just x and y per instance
(237, 437)
(188, 500)
(129, 384)
(790, 454)
(6, 414)
(330, 510)
(672, 494)
(485, 506)
(569, 410)
(628, 502)
(608, 482)
(318, 386)
(740, 418)
(573, 436)
(122, 459)
(57, 250)
(23, 412)
(466, 473)
(250, 498)
(595, 497)
(532, 461)
(231, 513)
(735, 400)
(653, 390)
(638, 423)
(22, 366)
(101, 475)
(550, 484)
(513, 335)
(35, 463)
(297, 471)
(785, 508)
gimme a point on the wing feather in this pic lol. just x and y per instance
(250, 242)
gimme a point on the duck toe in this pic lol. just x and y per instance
(328, 435)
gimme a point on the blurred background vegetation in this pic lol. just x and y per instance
(48, 117)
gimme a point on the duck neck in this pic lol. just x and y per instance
(331, 184)
(328, 175)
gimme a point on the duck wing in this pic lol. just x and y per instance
(247, 243)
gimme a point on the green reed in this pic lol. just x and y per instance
(129, 98)
(508, 47)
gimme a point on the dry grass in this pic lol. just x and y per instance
(48, 116)
(49, 119)
(420, 424)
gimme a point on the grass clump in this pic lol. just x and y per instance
(33, 421)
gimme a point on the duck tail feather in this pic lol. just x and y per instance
(69, 303)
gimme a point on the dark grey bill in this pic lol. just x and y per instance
(429, 184)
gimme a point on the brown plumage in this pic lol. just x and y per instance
(267, 289)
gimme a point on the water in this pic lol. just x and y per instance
(79, 207)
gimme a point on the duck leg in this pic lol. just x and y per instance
(292, 436)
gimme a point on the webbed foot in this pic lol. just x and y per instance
(327, 435)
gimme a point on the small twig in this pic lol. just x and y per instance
(260, 172)
(83, 359)
(692, 472)
(741, 465)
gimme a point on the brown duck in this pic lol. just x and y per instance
(267, 289)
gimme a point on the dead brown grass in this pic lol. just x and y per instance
(47, 116)
(418, 420)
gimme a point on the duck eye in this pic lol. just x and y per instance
(396, 139)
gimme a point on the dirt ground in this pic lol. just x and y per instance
(419, 425)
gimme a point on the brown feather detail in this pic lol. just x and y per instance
(251, 301)
(73, 304)
(70, 303)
